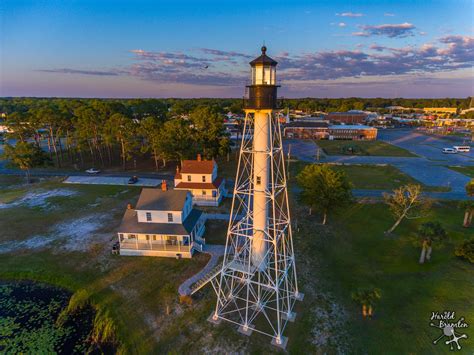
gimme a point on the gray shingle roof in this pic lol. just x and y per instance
(158, 200)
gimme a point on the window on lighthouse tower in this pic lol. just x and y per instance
(263, 75)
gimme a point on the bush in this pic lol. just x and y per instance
(466, 250)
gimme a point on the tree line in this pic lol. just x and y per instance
(105, 131)
(174, 106)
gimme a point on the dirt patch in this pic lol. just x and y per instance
(39, 198)
(74, 235)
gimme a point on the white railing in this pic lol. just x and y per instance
(158, 246)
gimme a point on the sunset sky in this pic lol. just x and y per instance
(202, 48)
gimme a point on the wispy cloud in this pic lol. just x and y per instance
(389, 14)
(350, 14)
(214, 67)
(389, 30)
(81, 72)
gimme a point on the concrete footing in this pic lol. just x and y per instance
(290, 317)
(246, 330)
(283, 342)
(211, 319)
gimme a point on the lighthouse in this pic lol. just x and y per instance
(256, 285)
(261, 102)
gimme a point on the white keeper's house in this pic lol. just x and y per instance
(163, 223)
(200, 178)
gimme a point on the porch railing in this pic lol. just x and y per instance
(158, 246)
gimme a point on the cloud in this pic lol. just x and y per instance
(452, 53)
(341, 24)
(350, 14)
(392, 31)
(389, 14)
(219, 68)
(81, 72)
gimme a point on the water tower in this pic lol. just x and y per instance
(257, 286)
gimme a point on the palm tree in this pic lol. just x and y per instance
(367, 297)
(428, 233)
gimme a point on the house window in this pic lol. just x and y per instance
(204, 178)
(147, 237)
(204, 192)
(259, 180)
(214, 193)
(148, 216)
(170, 217)
(189, 177)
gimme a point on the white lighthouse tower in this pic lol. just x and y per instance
(257, 285)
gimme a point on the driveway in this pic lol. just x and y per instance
(110, 180)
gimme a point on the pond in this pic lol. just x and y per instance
(29, 314)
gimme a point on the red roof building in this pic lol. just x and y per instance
(200, 178)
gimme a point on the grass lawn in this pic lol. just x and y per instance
(353, 252)
(466, 170)
(332, 261)
(371, 177)
(377, 148)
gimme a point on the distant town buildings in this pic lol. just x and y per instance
(451, 110)
(322, 130)
(163, 223)
(350, 117)
(199, 177)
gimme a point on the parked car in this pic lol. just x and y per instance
(462, 148)
(133, 180)
(92, 171)
(449, 151)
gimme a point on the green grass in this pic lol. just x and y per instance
(216, 231)
(127, 288)
(466, 170)
(353, 252)
(375, 148)
(331, 261)
(372, 177)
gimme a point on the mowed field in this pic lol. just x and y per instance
(466, 170)
(332, 261)
(375, 148)
(370, 177)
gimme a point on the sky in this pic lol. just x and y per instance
(84, 48)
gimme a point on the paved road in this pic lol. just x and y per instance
(429, 167)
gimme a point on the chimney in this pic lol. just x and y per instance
(163, 185)
(129, 206)
(177, 169)
(199, 157)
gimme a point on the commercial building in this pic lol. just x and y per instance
(451, 110)
(352, 132)
(306, 130)
(321, 130)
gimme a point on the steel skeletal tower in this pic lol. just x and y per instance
(257, 285)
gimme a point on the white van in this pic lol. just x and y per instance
(462, 148)
(449, 151)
